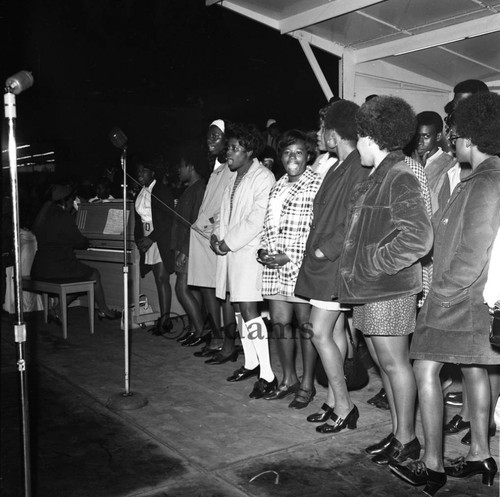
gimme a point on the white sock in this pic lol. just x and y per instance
(251, 359)
(258, 332)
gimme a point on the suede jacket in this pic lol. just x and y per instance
(387, 232)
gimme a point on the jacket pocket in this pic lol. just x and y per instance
(452, 314)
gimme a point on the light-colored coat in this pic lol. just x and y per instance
(238, 272)
(201, 268)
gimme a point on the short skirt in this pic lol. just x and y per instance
(388, 318)
(285, 298)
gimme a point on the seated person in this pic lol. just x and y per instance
(58, 237)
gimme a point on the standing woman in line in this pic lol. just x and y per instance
(202, 260)
(236, 239)
(154, 207)
(286, 227)
(318, 274)
(454, 324)
(388, 230)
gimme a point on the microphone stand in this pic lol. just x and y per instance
(15, 86)
(125, 400)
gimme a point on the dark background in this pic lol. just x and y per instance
(160, 70)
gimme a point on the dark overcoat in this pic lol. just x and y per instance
(454, 323)
(318, 277)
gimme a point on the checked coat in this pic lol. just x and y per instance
(290, 235)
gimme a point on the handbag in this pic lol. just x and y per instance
(495, 327)
(355, 372)
(144, 308)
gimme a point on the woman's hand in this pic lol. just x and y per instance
(180, 260)
(319, 254)
(219, 247)
(272, 260)
(263, 256)
(144, 244)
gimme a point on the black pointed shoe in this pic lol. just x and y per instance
(302, 398)
(195, 341)
(243, 373)
(218, 358)
(466, 440)
(460, 468)
(455, 425)
(397, 453)
(321, 417)
(417, 473)
(207, 351)
(380, 446)
(262, 387)
(283, 391)
(350, 421)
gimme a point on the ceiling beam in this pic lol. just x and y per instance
(430, 39)
(318, 72)
(244, 11)
(322, 13)
(319, 42)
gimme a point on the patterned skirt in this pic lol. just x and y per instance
(389, 318)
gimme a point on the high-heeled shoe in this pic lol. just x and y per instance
(320, 417)
(417, 473)
(397, 453)
(460, 468)
(243, 373)
(186, 337)
(350, 421)
(380, 446)
(195, 341)
(262, 387)
(466, 440)
(112, 314)
(207, 351)
(455, 425)
(282, 391)
(220, 359)
(302, 398)
(188, 332)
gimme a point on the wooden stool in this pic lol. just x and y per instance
(62, 290)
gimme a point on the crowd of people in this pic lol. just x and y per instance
(372, 216)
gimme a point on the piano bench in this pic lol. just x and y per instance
(62, 289)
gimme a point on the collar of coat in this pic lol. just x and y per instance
(389, 160)
(490, 164)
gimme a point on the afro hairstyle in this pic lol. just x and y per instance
(389, 121)
(478, 118)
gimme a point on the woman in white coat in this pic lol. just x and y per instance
(237, 238)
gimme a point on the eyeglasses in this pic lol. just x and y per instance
(453, 139)
(234, 148)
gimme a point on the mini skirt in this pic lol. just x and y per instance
(394, 317)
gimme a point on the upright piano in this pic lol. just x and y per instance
(102, 224)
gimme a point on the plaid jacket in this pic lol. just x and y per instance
(418, 169)
(290, 236)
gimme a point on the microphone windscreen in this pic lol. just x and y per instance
(117, 137)
(19, 82)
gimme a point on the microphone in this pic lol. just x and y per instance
(19, 82)
(118, 137)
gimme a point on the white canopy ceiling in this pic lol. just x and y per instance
(444, 41)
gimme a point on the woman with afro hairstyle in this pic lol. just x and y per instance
(454, 323)
(387, 232)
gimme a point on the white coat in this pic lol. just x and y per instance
(201, 265)
(238, 272)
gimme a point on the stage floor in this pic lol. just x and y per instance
(197, 436)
